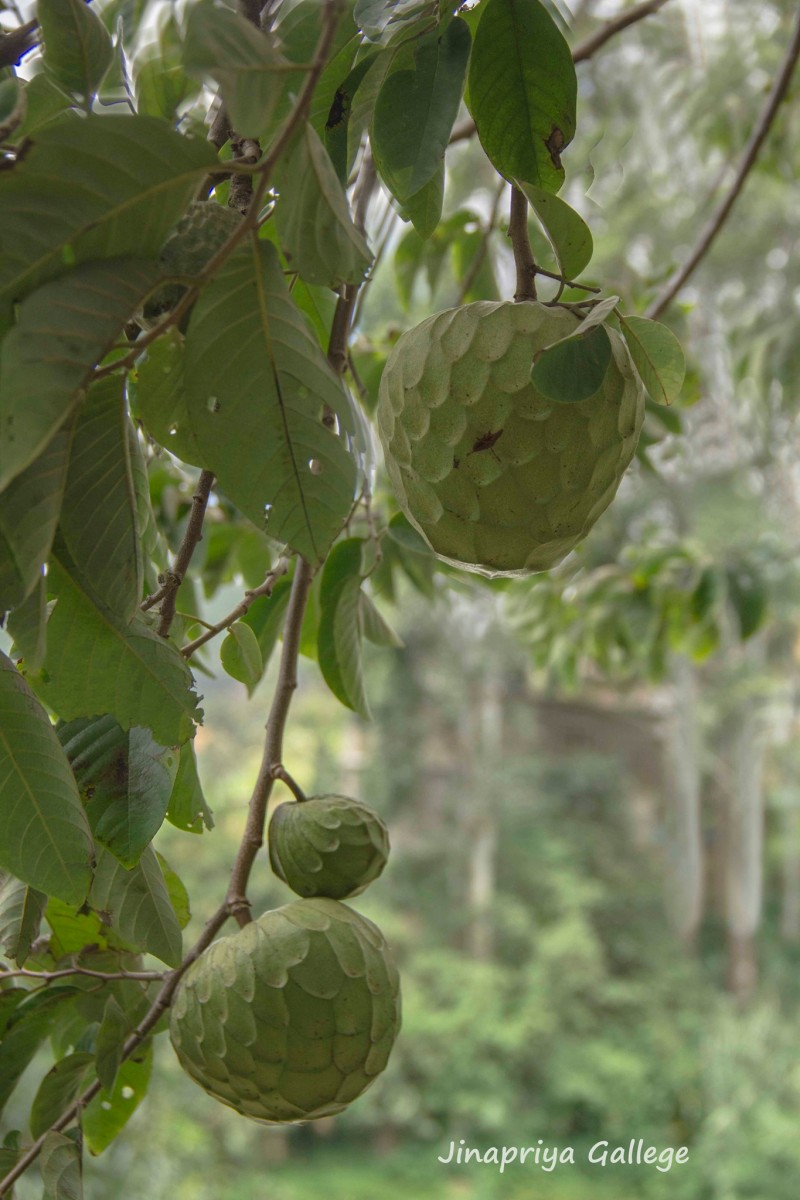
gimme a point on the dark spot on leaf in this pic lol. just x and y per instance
(486, 441)
(456, 463)
(555, 144)
(339, 109)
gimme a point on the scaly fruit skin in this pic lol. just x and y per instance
(327, 846)
(496, 477)
(291, 1018)
(200, 233)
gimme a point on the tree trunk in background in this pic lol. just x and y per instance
(484, 733)
(790, 907)
(683, 779)
(745, 848)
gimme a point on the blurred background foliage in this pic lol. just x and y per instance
(591, 777)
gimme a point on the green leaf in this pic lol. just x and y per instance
(60, 1164)
(98, 664)
(265, 617)
(58, 1089)
(313, 217)
(657, 356)
(572, 370)
(28, 627)
(73, 930)
(10, 1153)
(137, 905)
(159, 81)
(226, 47)
(339, 635)
(77, 47)
(416, 108)
(21, 911)
(240, 655)
(187, 805)
(375, 628)
(176, 890)
(13, 103)
(46, 840)
(125, 781)
(109, 1111)
(29, 1024)
(62, 331)
(337, 119)
(44, 101)
(522, 91)
(29, 510)
(98, 528)
(255, 376)
(158, 397)
(114, 1028)
(566, 230)
(424, 208)
(748, 596)
(105, 187)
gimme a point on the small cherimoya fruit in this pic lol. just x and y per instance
(292, 1017)
(327, 846)
(495, 476)
(201, 232)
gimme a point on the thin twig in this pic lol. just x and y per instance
(754, 143)
(264, 589)
(279, 772)
(521, 245)
(237, 903)
(566, 283)
(192, 535)
(611, 28)
(47, 976)
(17, 42)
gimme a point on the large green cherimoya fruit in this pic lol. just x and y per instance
(495, 476)
(327, 846)
(292, 1017)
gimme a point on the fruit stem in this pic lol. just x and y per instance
(521, 245)
(279, 772)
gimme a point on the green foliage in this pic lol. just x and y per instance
(77, 49)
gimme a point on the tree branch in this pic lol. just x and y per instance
(193, 534)
(47, 976)
(237, 903)
(611, 28)
(521, 245)
(263, 589)
(17, 42)
(754, 143)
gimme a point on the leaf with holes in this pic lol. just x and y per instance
(109, 1111)
(416, 108)
(224, 46)
(158, 397)
(62, 331)
(21, 911)
(566, 230)
(187, 808)
(46, 840)
(255, 376)
(98, 531)
(77, 47)
(29, 512)
(522, 91)
(96, 663)
(125, 781)
(313, 217)
(657, 356)
(106, 187)
(137, 905)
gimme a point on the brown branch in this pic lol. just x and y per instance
(521, 245)
(611, 28)
(754, 143)
(17, 42)
(280, 772)
(252, 594)
(237, 903)
(192, 535)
